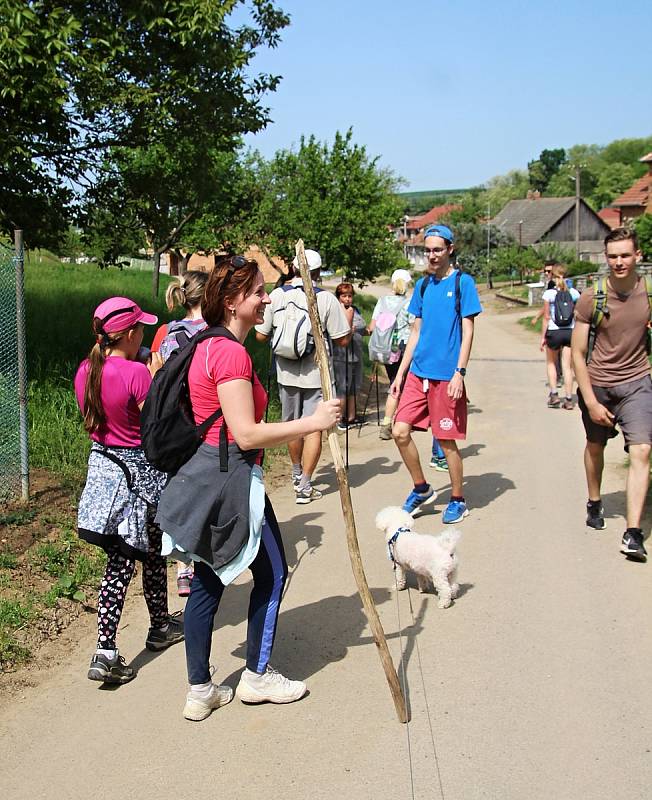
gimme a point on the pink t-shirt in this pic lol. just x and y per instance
(216, 361)
(124, 387)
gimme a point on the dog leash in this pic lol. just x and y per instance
(392, 541)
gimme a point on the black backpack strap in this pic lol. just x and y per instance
(424, 284)
(458, 298)
(209, 333)
(182, 338)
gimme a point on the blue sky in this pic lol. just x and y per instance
(449, 94)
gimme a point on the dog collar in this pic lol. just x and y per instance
(391, 542)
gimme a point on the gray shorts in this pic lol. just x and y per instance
(348, 377)
(631, 405)
(297, 403)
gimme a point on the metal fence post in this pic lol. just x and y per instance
(22, 363)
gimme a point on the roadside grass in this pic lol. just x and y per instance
(60, 567)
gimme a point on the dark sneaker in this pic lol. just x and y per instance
(553, 400)
(386, 431)
(595, 516)
(568, 404)
(440, 464)
(162, 638)
(110, 670)
(415, 500)
(632, 545)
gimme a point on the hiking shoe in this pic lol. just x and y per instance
(110, 670)
(385, 432)
(342, 425)
(568, 404)
(440, 464)
(595, 516)
(162, 638)
(270, 687)
(183, 585)
(455, 511)
(307, 495)
(415, 500)
(199, 706)
(632, 545)
(296, 480)
(553, 400)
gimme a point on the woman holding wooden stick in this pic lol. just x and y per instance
(205, 505)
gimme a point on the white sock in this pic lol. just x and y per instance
(202, 689)
(296, 470)
(304, 483)
(110, 654)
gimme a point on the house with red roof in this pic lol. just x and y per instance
(410, 235)
(637, 200)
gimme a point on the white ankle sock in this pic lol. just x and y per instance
(108, 653)
(305, 483)
(202, 689)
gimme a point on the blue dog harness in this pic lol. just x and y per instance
(392, 542)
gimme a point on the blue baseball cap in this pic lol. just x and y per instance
(439, 230)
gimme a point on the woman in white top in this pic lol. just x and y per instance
(556, 336)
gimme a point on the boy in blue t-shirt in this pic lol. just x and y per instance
(445, 303)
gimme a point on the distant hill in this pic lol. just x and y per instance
(419, 202)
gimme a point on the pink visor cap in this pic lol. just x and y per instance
(120, 313)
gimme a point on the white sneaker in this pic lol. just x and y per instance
(304, 496)
(270, 687)
(199, 707)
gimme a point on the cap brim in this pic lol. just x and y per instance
(148, 319)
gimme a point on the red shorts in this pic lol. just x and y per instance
(432, 408)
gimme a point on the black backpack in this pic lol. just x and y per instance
(564, 308)
(168, 432)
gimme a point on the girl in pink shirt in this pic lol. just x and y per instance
(118, 503)
(203, 504)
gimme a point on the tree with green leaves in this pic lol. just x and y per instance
(545, 167)
(79, 78)
(643, 228)
(334, 197)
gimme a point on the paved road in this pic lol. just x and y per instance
(535, 680)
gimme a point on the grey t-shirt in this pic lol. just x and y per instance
(304, 373)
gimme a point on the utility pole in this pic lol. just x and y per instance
(489, 284)
(577, 212)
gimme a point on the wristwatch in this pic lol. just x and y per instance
(461, 370)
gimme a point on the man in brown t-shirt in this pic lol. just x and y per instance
(615, 388)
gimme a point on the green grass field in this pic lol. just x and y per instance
(60, 300)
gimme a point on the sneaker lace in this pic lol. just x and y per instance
(274, 675)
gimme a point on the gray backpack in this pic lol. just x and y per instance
(291, 329)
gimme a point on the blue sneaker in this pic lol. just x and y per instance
(415, 500)
(455, 512)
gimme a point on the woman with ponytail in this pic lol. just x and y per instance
(118, 503)
(187, 292)
(556, 338)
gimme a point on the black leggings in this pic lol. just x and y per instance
(113, 590)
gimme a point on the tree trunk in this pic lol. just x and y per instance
(155, 274)
(183, 263)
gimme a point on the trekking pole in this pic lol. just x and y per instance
(345, 498)
(346, 405)
(377, 397)
(371, 381)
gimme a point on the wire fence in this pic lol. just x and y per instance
(13, 420)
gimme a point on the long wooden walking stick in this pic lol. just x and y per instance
(345, 497)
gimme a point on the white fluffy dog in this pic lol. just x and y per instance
(431, 558)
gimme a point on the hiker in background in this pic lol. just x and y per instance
(297, 373)
(438, 457)
(430, 378)
(347, 361)
(118, 503)
(556, 330)
(390, 330)
(218, 497)
(549, 283)
(187, 292)
(611, 347)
